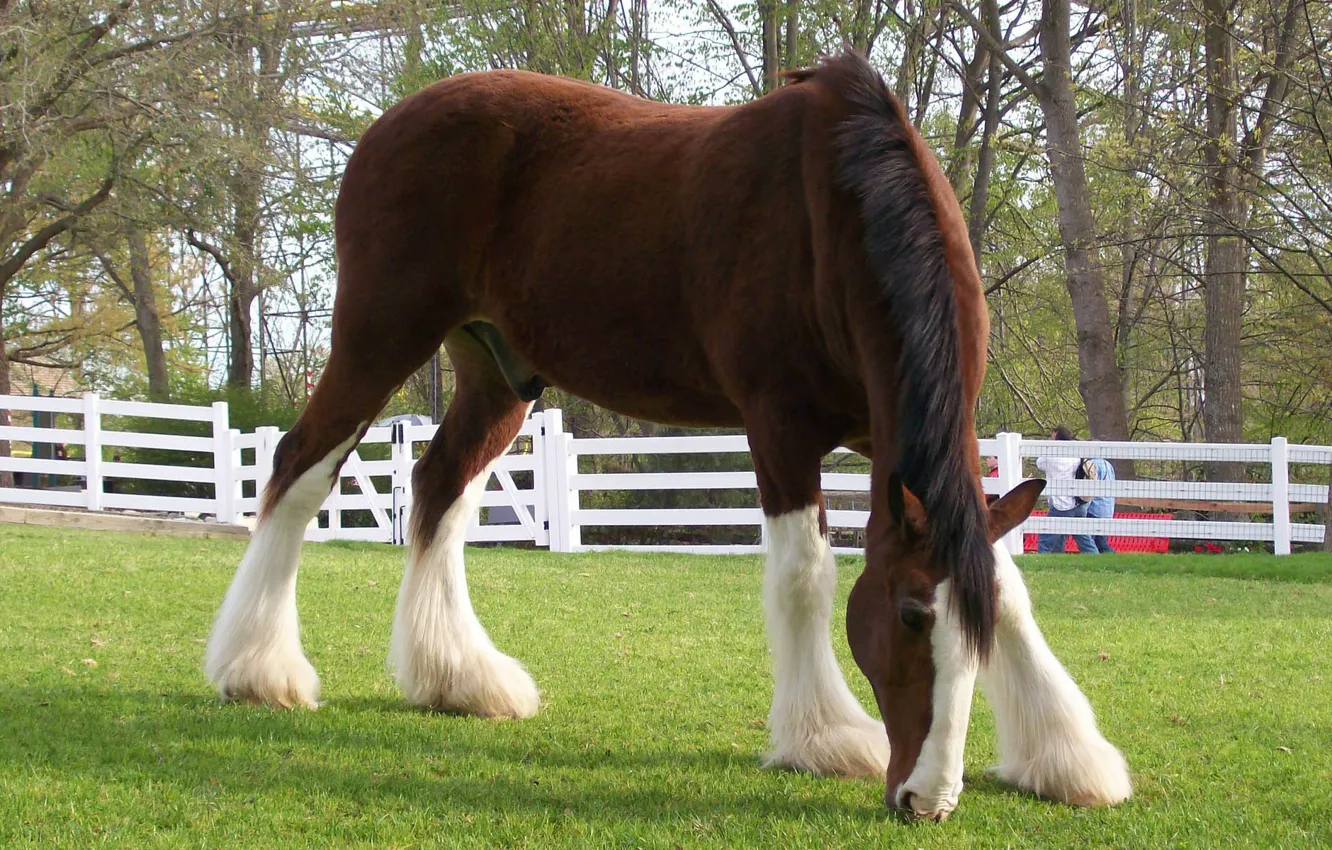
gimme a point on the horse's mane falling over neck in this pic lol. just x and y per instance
(881, 165)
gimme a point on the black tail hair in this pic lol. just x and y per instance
(905, 250)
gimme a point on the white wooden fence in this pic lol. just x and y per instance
(88, 445)
(372, 501)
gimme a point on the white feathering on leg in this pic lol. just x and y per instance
(254, 652)
(816, 723)
(440, 653)
(1048, 740)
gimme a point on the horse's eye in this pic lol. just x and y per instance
(916, 615)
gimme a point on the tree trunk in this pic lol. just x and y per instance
(529, 35)
(613, 76)
(792, 46)
(1224, 267)
(1233, 170)
(1099, 374)
(974, 86)
(576, 44)
(245, 193)
(147, 319)
(771, 45)
(637, 12)
(980, 190)
(925, 91)
(862, 25)
(1134, 110)
(912, 45)
(257, 93)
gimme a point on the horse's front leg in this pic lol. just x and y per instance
(1048, 740)
(816, 724)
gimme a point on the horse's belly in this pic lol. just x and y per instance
(629, 370)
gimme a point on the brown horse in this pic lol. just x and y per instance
(797, 266)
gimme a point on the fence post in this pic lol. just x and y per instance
(557, 480)
(568, 460)
(400, 450)
(1280, 496)
(540, 485)
(223, 476)
(237, 488)
(1327, 512)
(1010, 476)
(264, 450)
(92, 449)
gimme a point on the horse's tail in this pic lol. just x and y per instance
(883, 163)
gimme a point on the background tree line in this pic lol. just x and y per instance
(1148, 186)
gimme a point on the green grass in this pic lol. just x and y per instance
(1209, 672)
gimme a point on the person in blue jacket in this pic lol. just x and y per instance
(1102, 507)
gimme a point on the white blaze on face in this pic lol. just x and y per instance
(936, 782)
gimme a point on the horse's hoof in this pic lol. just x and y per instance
(1092, 775)
(278, 680)
(490, 685)
(907, 811)
(847, 750)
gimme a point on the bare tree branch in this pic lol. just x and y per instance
(213, 251)
(720, 14)
(41, 238)
(1034, 86)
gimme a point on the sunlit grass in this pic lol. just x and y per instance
(655, 684)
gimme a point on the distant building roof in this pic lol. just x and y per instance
(49, 380)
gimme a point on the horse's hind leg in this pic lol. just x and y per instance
(254, 652)
(440, 653)
(816, 724)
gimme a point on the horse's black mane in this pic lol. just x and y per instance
(880, 167)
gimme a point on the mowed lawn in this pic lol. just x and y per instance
(1211, 673)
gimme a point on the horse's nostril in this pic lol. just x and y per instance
(904, 802)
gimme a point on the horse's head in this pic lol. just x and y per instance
(907, 640)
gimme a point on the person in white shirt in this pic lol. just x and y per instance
(1063, 469)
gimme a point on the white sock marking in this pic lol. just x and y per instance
(816, 722)
(1048, 740)
(254, 652)
(440, 653)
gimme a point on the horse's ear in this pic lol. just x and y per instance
(907, 512)
(1013, 509)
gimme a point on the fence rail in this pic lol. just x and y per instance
(537, 490)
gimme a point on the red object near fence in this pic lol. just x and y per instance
(1151, 545)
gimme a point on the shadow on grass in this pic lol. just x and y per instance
(1303, 568)
(376, 751)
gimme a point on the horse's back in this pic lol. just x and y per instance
(663, 243)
